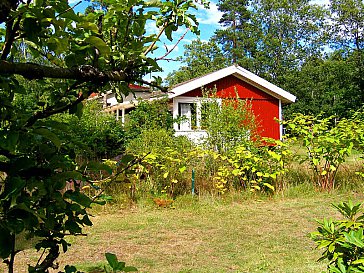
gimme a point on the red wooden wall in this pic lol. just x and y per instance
(264, 106)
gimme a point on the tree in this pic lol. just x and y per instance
(238, 36)
(347, 35)
(199, 59)
(323, 86)
(65, 56)
(271, 37)
(348, 24)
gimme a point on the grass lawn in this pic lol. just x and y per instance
(205, 235)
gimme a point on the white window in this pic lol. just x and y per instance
(190, 110)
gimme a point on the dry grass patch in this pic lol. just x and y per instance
(207, 236)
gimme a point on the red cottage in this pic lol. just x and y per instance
(266, 99)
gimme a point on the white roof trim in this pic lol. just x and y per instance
(240, 73)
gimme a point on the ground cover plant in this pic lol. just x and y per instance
(342, 241)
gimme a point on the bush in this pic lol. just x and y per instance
(149, 115)
(228, 122)
(342, 240)
(96, 134)
(165, 163)
(328, 144)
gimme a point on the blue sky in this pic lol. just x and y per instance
(208, 22)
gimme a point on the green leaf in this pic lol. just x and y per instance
(79, 198)
(73, 227)
(70, 269)
(126, 159)
(9, 140)
(32, 28)
(112, 260)
(86, 221)
(99, 44)
(88, 26)
(269, 186)
(15, 185)
(38, 2)
(48, 134)
(77, 109)
(97, 166)
(130, 269)
(359, 261)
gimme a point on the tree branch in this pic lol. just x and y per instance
(11, 29)
(70, 8)
(162, 29)
(175, 45)
(163, 89)
(85, 73)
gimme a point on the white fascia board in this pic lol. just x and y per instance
(265, 85)
(200, 82)
(239, 72)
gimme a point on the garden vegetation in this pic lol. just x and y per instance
(60, 156)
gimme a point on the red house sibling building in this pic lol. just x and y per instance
(266, 99)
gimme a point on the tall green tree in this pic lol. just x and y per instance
(322, 86)
(271, 37)
(238, 33)
(290, 33)
(347, 35)
(65, 57)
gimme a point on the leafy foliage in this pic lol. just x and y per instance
(52, 59)
(147, 115)
(327, 144)
(342, 240)
(96, 135)
(254, 168)
(228, 122)
(165, 162)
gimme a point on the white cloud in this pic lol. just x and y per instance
(151, 28)
(320, 2)
(209, 16)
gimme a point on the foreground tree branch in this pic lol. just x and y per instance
(82, 73)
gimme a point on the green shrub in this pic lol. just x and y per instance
(342, 240)
(96, 134)
(228, 122)
(148, 115)
(255, 168)
(328, 144)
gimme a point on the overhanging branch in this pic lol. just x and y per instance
(85, 73)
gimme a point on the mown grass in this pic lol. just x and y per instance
(235, 233)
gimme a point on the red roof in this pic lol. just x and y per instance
(133, 87)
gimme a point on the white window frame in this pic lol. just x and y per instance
(198, 101)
